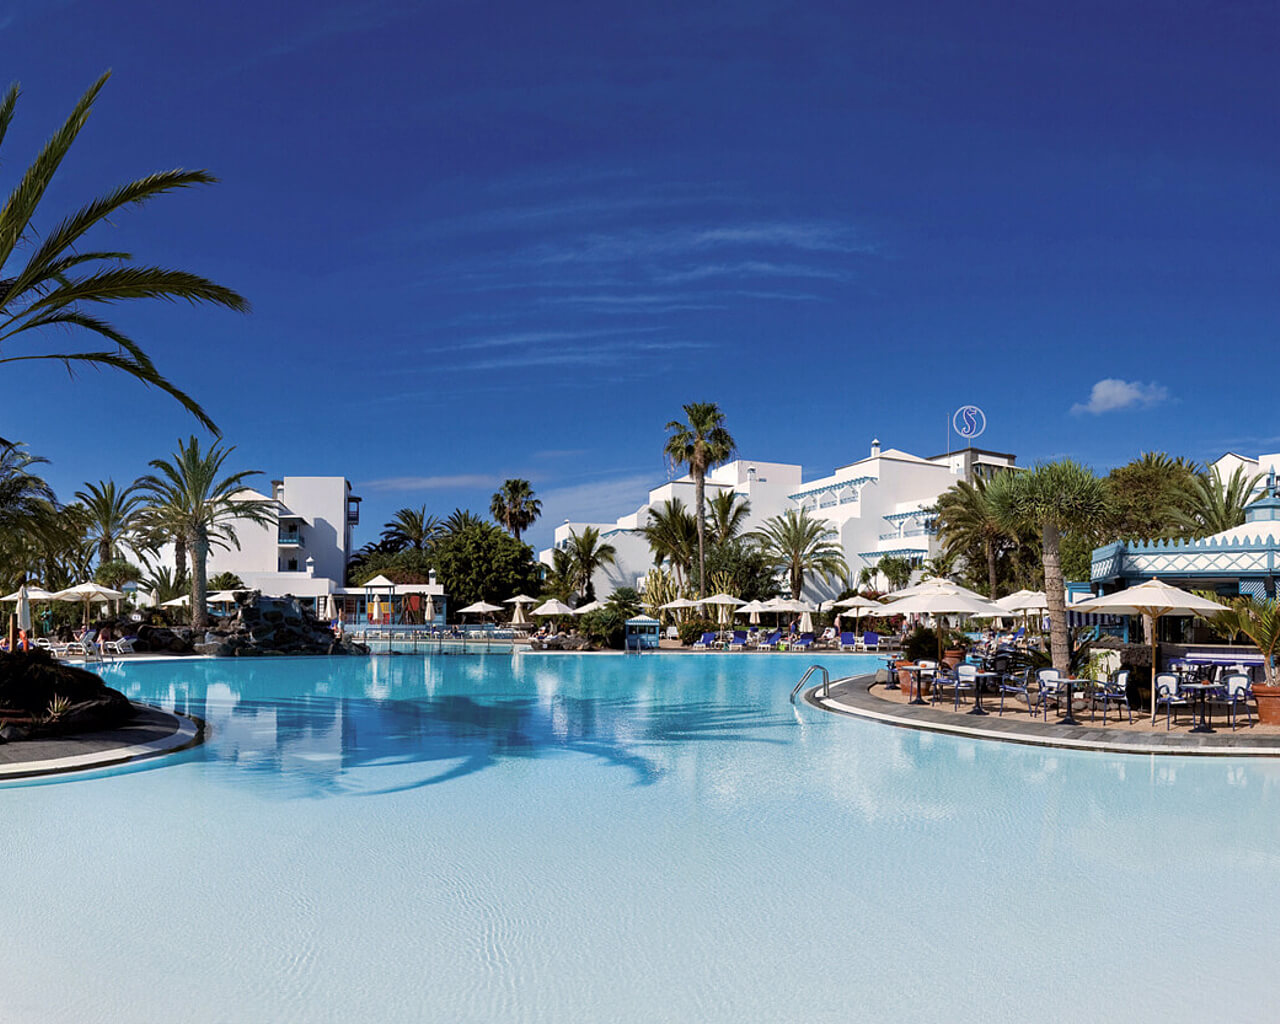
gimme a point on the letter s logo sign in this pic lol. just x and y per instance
(969, 421)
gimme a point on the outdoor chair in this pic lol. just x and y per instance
(770, 643)
(1048, 688)
(965, 678)
(1169, 694)
(707, 642)
(1017, 683)
(738, 641)
(1236, 693)
(1114, 691)
(870, 641)
(848, 642)
(828, 637)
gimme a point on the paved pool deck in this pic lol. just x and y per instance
(857, 696)
(151, 733)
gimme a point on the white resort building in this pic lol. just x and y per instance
(880, 505)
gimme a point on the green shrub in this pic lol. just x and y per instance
(606, 627)
(692, 630)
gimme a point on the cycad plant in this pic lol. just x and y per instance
(799, 545)
(1054, 498)
(61, 278)
(189, 495)
(698, 447)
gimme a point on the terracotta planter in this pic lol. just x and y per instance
(1268, 698)
(953, 657)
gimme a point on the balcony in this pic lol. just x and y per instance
(289, 540)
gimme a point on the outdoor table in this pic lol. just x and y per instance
(914, 671)
(892, 684)
(978, 678)
(1202, 691)
(1070, 719)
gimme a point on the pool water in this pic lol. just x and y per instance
(601, 838)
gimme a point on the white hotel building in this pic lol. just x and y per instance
(878, 506)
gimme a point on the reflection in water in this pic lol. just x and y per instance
(314, 720)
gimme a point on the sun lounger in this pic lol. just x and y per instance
(739, 640)
(848, 642)
(707, 642)
(770, 643)
(871, 641)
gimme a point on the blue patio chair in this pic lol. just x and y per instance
(770, 643)
(1236, 692)
(1114, 691)
(738, 641)
(848, 642)
(871, 641)
(1169, 693)
(804, 643)
(1017, 683)
(707, 642)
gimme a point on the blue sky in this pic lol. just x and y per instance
(496, 239)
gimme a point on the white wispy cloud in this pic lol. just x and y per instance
(620, 355)
(1111, 394)
(431, 483)
(594, 501)
(748, 268)
(636, 303)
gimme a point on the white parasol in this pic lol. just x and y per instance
(1154, 598)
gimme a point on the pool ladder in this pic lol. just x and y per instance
(826, 681)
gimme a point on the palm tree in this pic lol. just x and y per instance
(515, 507)
(60, 279)
(1054, 498)
(799, 544)
(729, 512)
(558, 578)
(967, 525)
(896, 571)
(699, 446)
(110, 516)
(1215, 504)
(189, 496)
(672, 533)
(411, 528)
(226, 581)
(460, 520)
(33, 529)
(587, 554)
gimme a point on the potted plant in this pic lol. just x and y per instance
(1260, 622)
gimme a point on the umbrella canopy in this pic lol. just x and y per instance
(429, 610)
(178, 602)
(553, 607)
(330, 607)
(517, 614)
(678, 603)
(806, 623)
(752, 609)
(939, 601)
(521, 599)
(480, 608)
(593, 606)
(24, 610)
(858, 601)
(224, 596)
(1025, 601)
(1154, 598)
(931, 584)
(88, 593)
(723, 602)
(34, 593)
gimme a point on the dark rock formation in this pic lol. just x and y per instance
(270, 626)
(50, 699)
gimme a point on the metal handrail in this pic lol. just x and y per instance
(826, 681)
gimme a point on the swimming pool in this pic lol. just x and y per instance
(601, 838)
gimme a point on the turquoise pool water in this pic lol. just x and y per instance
(578, 838)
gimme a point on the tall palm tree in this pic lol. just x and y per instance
(558, 578)
(61, 279)
(189, 495)
(699, 446)
(1215, 504)
(1054, 498)
(515, 506)
(799, 544)
(461, 520)
(729, 512)
(587, 555)
(110, 516)
(968, 527)
(33, 529)
(672, 533)
(412, 528)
